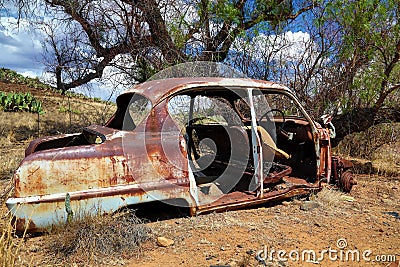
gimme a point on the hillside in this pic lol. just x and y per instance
(62, 114)
(366, 219)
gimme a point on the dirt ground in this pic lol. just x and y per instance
(339, 230)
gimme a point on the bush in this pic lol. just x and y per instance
(99, 239)
(364, 144)
(20, 102)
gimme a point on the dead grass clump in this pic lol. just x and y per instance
(101, 239)
(374, 151)
(10, 246)
(328, 197)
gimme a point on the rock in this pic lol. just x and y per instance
(309, 205)
(393, 214)
(164, 242)
(285, 203)
(206, 242)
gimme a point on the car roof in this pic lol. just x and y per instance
(157, 90)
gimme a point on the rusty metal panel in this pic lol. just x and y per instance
(39, 212)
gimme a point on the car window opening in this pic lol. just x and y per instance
(218, 133)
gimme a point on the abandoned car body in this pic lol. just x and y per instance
(210, 144)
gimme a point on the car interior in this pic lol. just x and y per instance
(217, 127)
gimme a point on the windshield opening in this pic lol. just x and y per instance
(132, 110)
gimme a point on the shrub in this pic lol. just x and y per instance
(364, 144)
(20, 102)
(100, 238)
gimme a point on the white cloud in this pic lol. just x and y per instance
(20, 47)
(289, 45)
(21, 50)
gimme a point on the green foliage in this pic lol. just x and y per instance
(369, 46)
(144, 71)
(10, 76)
(65, 110)
(366, 24)
(225, 11)
(20, 102)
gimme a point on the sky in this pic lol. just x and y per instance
(21, 50)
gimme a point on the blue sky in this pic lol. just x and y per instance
(21, 50)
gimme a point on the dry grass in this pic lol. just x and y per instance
(97, 240)
(364, 144)
(388, 153)
(8, 248)
(328, 197)
(10, 245)
(376, 150)
(62, 115)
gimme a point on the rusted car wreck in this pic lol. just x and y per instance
(210, 144)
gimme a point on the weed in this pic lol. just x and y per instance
(100, 238)
(65, 110)
(328, 197)
(10, 245)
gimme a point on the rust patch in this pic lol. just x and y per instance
(21, 225)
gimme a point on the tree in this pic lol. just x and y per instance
(347, 62)
(368, 61)
(303, 60)
(371, 48)
(129, 35)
